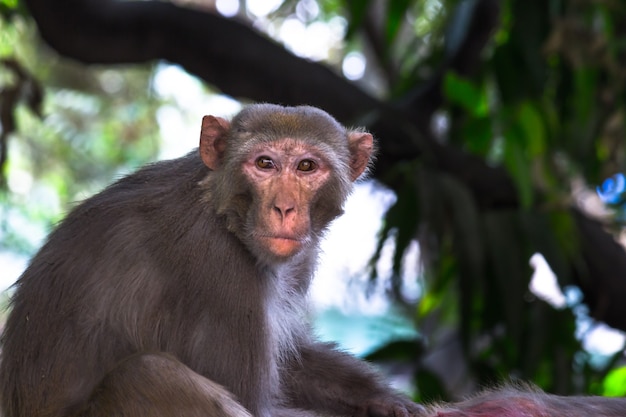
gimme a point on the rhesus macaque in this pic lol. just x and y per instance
(180, 290)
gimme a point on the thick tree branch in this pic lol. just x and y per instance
(223, 52)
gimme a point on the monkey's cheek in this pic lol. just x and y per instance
(282, 247)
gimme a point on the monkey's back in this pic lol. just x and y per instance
(115, 278)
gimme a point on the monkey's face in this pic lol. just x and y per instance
(285, 178)
(280, 175)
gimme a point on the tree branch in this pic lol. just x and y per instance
(223, 52)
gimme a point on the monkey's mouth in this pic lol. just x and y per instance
(283, 246)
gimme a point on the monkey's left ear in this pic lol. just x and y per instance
(361, 150)
(213, 140)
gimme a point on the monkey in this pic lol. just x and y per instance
(181, 289)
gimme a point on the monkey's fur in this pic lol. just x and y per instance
(181, 289)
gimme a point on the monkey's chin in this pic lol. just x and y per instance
(283, 247)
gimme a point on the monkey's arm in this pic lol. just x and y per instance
(324, 379)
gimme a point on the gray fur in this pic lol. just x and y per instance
(147, 299)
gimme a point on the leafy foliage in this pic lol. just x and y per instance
(90, 126)
(543, 108)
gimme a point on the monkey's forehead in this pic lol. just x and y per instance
(276, 112)
(289, 147)
(273, 122)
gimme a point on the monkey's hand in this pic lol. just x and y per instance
(390, 406)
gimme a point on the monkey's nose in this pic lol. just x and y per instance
(284, 211)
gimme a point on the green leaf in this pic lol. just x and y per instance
(401, 219)
(357, 11)
(518, 164)
(565, 231)
(478, 134)
(395, 16)
(585, 83)
(10, 4)
(614, 384)
(465, 94)
(532, 124)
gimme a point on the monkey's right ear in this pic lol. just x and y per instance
(213, 140)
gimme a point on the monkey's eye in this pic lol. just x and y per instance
(307, 165)
(265, 162)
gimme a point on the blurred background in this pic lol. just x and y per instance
(488, 243)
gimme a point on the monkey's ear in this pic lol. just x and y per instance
(361, 150)
(213, 140)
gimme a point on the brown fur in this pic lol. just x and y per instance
(171, 292)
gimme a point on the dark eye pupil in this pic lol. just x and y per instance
(264, 162)
(306, 165)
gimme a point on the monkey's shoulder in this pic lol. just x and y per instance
(148, 203)
(152, 214)
(171, 178)
(152, 187)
